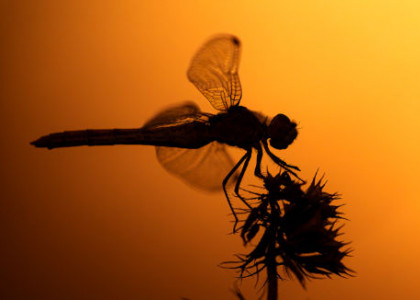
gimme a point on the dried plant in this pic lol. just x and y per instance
(296, 231)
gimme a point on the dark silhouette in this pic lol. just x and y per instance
(296, 230)
(214, 71)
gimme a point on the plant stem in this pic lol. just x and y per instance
(271, 263)
(271, 274)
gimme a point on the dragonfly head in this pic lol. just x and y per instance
(281, 131)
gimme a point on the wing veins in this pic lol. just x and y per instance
(213, 71)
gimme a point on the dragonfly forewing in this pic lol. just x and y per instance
(214, 71)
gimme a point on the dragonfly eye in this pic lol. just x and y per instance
(281, 131)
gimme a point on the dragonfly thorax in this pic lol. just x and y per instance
(237, 127)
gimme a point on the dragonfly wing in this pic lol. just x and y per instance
(176, 115)
(204, 168)
(214, 71)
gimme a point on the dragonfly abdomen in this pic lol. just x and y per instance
(89, 137)
(193, 135)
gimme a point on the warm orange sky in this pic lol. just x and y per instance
(110, 223)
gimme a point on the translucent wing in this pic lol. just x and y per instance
(214, 71)
(204, 168)
(176, 115)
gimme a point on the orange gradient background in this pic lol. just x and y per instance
(110, 223)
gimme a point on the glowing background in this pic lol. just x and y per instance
(110, 223)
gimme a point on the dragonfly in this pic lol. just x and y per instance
(192, 144)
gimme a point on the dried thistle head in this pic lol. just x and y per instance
(297, 231)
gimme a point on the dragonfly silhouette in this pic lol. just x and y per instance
(178, 130)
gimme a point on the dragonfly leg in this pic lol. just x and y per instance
(281, 162)
(241, 175)
(225, 181)
(257, 171)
